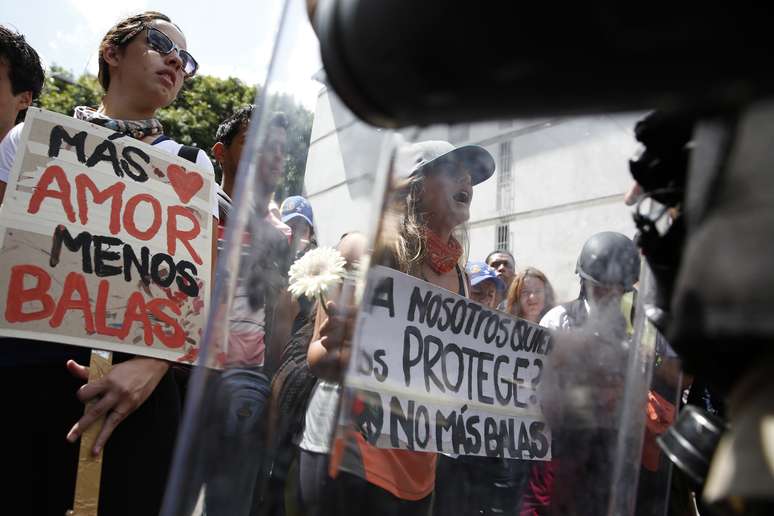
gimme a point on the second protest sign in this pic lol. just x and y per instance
(434, 371)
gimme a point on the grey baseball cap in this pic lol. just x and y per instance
(415, 158)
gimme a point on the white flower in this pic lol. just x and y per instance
(315, 272)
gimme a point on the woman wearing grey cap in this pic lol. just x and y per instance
(428, 204)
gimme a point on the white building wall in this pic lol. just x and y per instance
(551, 241)
(340, 168)
(568, 181)
(569, 177)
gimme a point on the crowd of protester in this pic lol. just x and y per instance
(267, 439)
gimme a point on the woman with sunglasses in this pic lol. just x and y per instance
(143, 62)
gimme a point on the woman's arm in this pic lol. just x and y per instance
(328, 353)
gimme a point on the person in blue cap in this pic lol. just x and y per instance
(485, 284)
(297, 213)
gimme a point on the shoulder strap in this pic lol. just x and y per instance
(188, 152)
(463, 288)
(161, 138)
(628, 302)
(224, 206)
(575, 312)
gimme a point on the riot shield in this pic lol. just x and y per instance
(433, 341)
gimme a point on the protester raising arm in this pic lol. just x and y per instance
(328, 352)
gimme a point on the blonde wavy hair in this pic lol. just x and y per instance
(402, 244)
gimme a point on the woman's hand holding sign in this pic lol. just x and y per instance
(120, 393)
(335, 337)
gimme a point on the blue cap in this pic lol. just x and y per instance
(480, 271)
(296, 206)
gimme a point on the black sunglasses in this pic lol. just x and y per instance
(161, 43)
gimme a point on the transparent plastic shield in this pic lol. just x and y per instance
(245, 402)
(362, 357)
(492, 413)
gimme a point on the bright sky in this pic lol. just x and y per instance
(229, 38)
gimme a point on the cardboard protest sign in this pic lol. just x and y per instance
(105, 242)
(434, 371)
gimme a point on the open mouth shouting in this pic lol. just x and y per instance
(463, 196)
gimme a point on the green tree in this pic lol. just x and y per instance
(299, 134)
(203, 103)
(61, 92)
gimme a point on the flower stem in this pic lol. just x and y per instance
(323, 303)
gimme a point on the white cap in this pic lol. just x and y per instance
(414, 158)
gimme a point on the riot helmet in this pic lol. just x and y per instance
(609, 259)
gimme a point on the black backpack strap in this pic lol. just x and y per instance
(575, 313)
(161, 138)
(188, 152)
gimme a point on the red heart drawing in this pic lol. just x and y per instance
(186, 184)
